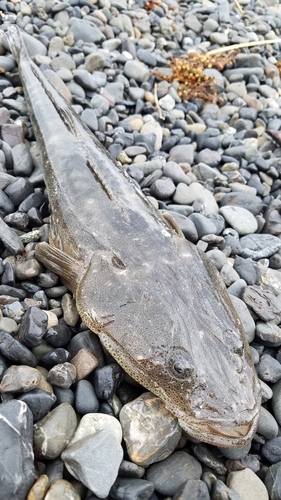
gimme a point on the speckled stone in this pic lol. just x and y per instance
(62, 489)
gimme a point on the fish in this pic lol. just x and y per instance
(158, 304)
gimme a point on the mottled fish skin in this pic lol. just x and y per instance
(158, 305)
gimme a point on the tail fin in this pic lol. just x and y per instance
(16, 42)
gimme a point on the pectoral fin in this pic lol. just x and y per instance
(60, 263)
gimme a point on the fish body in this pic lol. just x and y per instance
(158, 305)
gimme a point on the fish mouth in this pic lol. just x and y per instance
(223, 435)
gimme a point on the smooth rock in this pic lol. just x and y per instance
(150, 432)
(94, 460)
(247, 484)
(169, 474)
(17, 472)
(53, 433)
(240, 219)
(62, 489)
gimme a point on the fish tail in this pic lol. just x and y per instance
(15, 41)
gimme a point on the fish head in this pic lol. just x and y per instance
(179, 336)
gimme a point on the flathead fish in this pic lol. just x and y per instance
(157, 303)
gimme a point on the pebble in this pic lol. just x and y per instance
(271, 450)
(144, 417)
(94, 460)
(247, 484)
(269, 369)
(169, 474)
(62, 375)
(263, 302)
(240, 219)
(33, 327)
(20, 379)
(86, 400)
(39, 402)
(107, 380)
(53, 433)
(39, 489)
(132, 488)
(62, 489)
(273, 481)
(16, 476)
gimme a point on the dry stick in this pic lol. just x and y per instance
(243, 45)
(239, 6)
(157, 103)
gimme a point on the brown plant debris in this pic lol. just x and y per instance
(151, 4)
(189, 72)
(278, 64)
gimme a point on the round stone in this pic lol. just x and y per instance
(240, 219)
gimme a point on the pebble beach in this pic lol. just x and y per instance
(186, 97)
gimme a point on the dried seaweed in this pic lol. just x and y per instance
(189, 72)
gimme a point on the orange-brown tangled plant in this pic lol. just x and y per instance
(278, 64)
(189, 72)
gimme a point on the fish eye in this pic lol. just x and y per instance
(117, 262)
(180, 365)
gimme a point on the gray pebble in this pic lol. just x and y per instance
(269, 369)
(172, 472)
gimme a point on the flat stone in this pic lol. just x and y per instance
(250, 202)
(182, 154)
(94, 461)
(260, 246)
(241, 219)
(17, 472)
(263, 302)
(85, 31)
(150, 432)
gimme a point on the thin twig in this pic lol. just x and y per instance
(157, 103)
(239, 7)
(243, 45)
